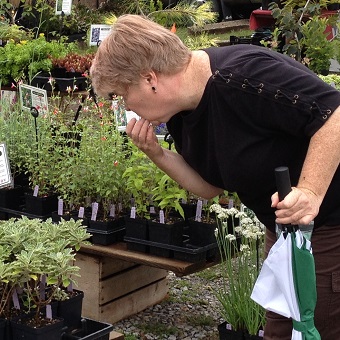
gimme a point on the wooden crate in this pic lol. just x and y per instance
(115, 289)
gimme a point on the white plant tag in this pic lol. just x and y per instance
(48, 311)
(133, 212)
(60, 207)
(36, 191)
(70, 287)
(81, 212)
(228, 326)
(113, 210)
(231, 203)
(152, 210)
(184, 201)
(15, 299)
(161, 216)
(261, 333)
(94, 211)
(198, 217)
(42, 287)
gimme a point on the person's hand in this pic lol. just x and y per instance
(300, 206)
(143, 136)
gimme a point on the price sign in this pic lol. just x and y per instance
(5, 170)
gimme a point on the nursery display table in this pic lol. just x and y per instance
(118, 282)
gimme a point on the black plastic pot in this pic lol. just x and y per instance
(138, 229)
(90, 330)
(40, 206)
(22, 331)
(12, 198)
(70, 310)
(201, 233)
(229, 334)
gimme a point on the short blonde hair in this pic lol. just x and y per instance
(135, 45)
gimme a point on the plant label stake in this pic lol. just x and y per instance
(81, 212)
(94, 211)
(36, 191)
(161, 217)
(199, 206)
(60, 207)
(112, 210)
(15, 299)
(133, 212)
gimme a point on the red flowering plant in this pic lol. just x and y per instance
(74, 62)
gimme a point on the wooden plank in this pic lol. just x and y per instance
(88, 282)
(111, 266)
(133, 303)
(124, 283)
(116, 336)
(119, 250)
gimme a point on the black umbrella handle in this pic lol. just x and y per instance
(283, 182)
(284, 187)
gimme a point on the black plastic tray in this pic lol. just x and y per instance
(188, 252)
(106, 237)
(90, 330)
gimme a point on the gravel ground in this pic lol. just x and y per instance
(190, 312)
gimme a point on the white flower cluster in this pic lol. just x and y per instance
(249, 227)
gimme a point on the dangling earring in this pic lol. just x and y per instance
(153, 89)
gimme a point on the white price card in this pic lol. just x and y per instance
(98, 33)
(5, 170)
(63, 7)
(33, 97)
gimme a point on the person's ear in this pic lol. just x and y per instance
(150, 77)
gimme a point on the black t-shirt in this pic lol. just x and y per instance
(259, 111)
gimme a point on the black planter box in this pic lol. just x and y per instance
(105, 238)
(40, 206)
(90, 330)
(110, 224)
(137, 229)
(2, 328)
(60, 84)
(51, 332)
(167, 233)
(201, 233)
(70, 310)
(12, 198)
(227, 334)
(188, 253)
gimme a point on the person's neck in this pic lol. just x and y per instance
(194, 79)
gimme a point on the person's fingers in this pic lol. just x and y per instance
(130, 125)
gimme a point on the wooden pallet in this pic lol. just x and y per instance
(115, 289)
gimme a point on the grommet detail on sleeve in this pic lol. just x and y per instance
(324, 113)
(215, 74)
(226, 77)
(295, 98)
(278, 94)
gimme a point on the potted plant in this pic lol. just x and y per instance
(37, 259)
(240, 252)
(68, 71)
(139, 181)
(300, 33)
(12, 125)
(23, 60)
(166, 227)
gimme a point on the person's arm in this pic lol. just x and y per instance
(172, 163)
(322, 160)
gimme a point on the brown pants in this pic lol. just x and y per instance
(326, 250)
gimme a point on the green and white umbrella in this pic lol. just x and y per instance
(287, 284)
